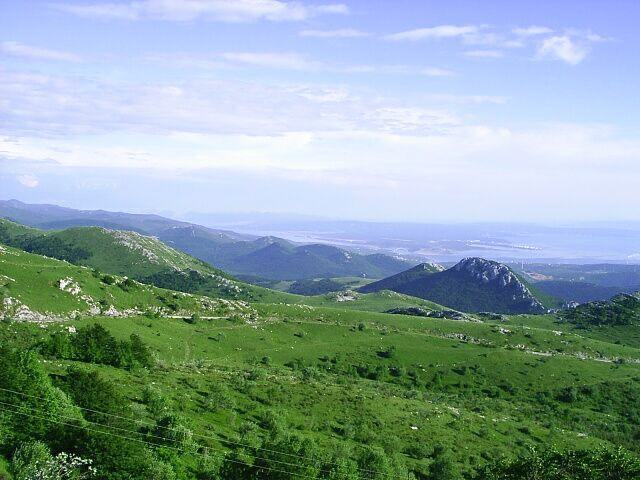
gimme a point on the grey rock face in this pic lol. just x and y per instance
(491, 272)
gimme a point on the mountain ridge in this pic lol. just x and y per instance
(137, 256)
(233, 252)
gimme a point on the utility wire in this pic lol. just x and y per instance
(139, 433)
(142, 422)
(180, 449)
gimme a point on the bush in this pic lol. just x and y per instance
(22, 372)
(94, 344)
(218, 398)
(443, 466)
(156, 403)
(33, 461)
(388, 352)
(27, 459)
(600, 464)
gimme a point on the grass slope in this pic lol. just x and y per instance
(337, 375)
(149, 261)
(137, 256)
(34, 287)
(403, 384)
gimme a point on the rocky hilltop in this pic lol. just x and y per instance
(491, 272)
(472, 285)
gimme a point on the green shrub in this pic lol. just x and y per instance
(551, 464)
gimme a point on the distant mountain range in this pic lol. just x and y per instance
(472, 285)
(240, 254)
(571, 242)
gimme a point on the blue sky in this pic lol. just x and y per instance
(381, 110)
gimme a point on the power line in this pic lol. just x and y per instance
(142, 422)
(173, 440)
(138, 433)
(83, 427)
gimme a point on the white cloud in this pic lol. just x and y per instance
(478, 35)
(532, 30)
(411, 119)
(465, 99)
(570, 47)
(562, 48)
(214, 10)
(56, 106)
(28, 181)
(484, 53)
(437, 72)
(336, 8)
(288, 61)
(413, 146)
(340, 33)
(16, 49)
(322, 95)
(587, 35)
(440, 31)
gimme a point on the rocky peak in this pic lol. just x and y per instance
(489, 271)
(428, 267)
(486, 270)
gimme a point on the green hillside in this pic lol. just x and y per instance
(277, 391)
(216, 388)
(147, 260)
(620, 310)
(140, 257)
(370, 302)
(36, 288)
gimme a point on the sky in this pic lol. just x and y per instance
(393, 110)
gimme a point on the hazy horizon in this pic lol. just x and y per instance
(243, 215)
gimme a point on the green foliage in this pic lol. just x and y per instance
(27, 389)
(33, 461)
(54, 248)
(218, 397)
(599, 464)
(443, 466)
(315, 287)
(387, 352)
(94, 344)
(620, 310)
(28, 458)
(232, 398)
